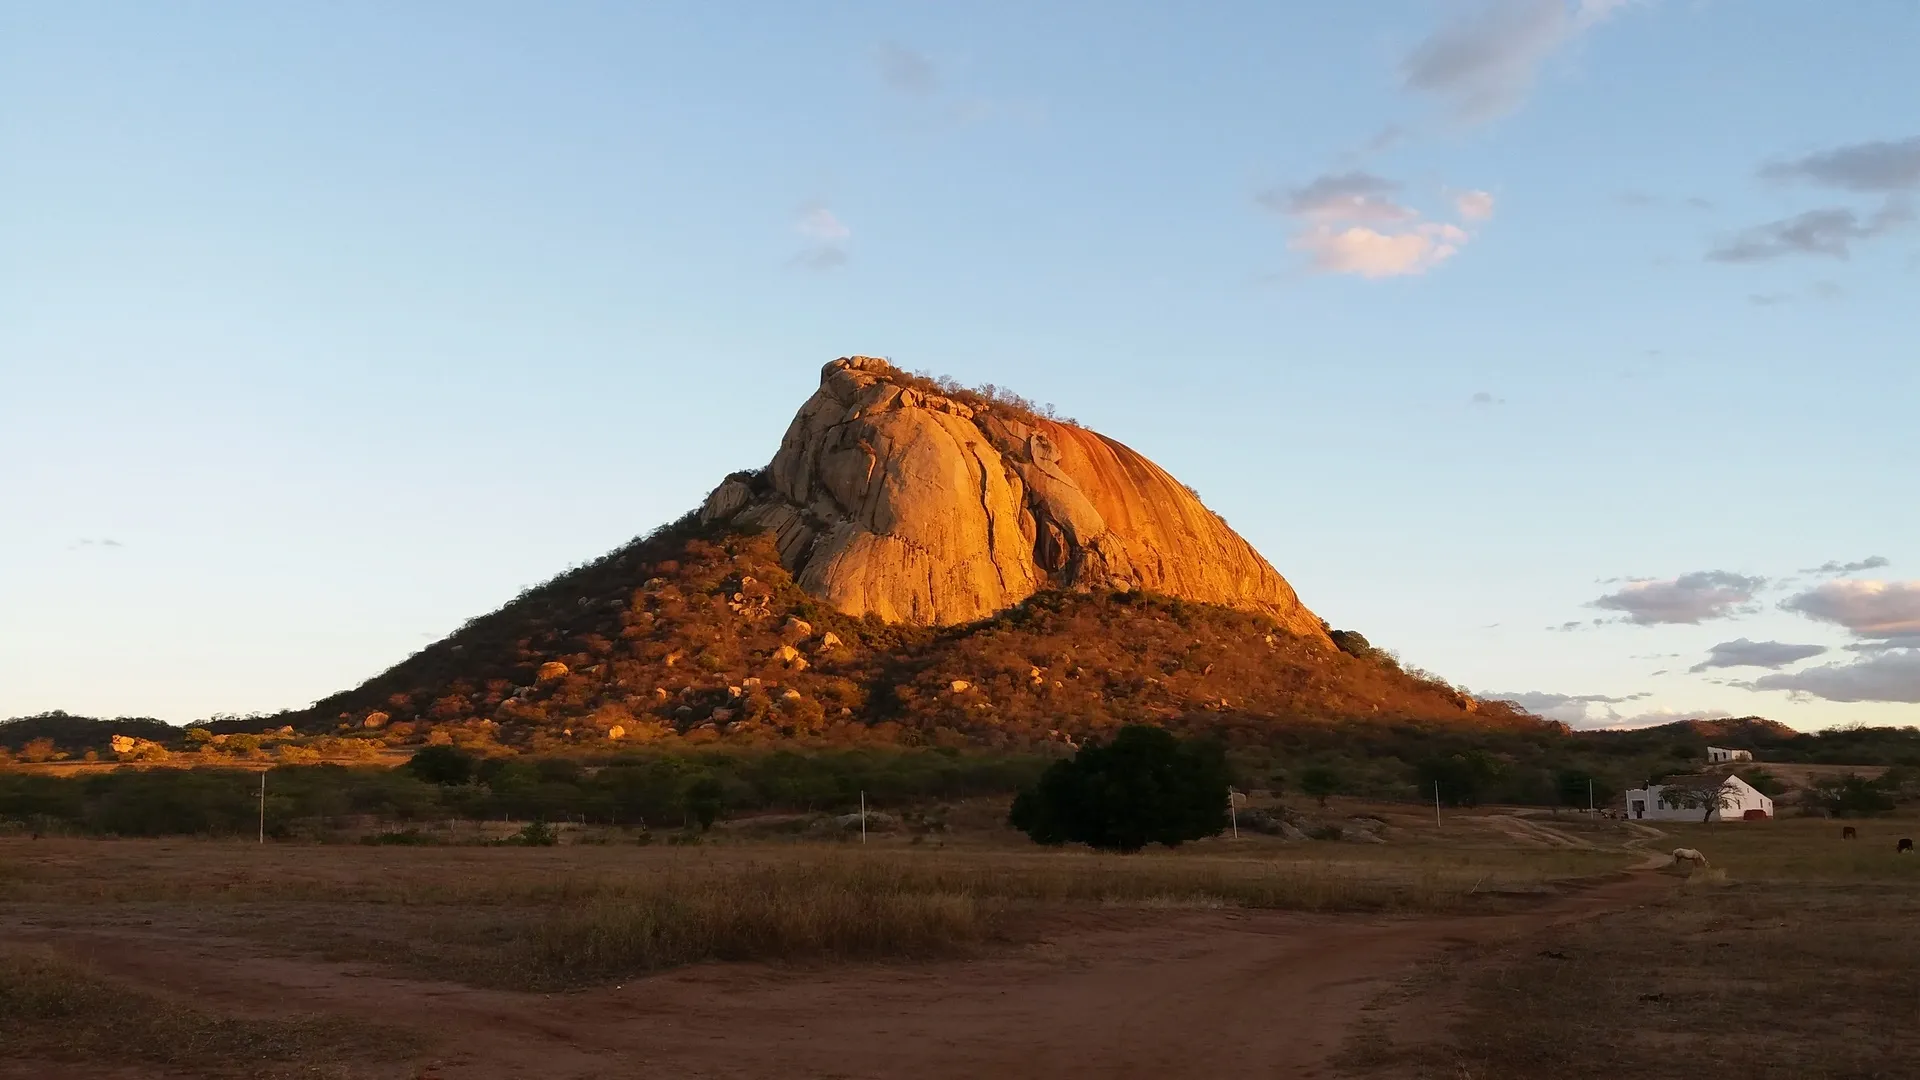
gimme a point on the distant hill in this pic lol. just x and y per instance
(1768, 739)
(74, 734)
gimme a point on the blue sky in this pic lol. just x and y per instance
(1562, 346)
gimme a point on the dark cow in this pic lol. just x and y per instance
(1847, 833)
(1905, 846)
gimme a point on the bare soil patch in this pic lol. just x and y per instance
(778, 960)
(1792, 957)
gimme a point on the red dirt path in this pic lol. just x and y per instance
(1122, 993)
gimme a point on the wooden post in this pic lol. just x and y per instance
(263, 806)
(1436, 804)
(863, 817)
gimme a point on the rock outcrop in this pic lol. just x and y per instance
(888, 499)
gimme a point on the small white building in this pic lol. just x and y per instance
(1738, 799)
(1719, 755)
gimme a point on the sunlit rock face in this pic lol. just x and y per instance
(891, 500)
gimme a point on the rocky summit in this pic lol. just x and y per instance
(890, 498)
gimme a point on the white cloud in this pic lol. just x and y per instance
(1371, 253)
(1891, 675)
(1689, 598)
(1473, 205)
(1484, 63)
(1867, 608)
(907, 71)
(818, 223)
(1343, 197)
(1352, 223)
(1741, 652)
(826, 237)
(1573, 710)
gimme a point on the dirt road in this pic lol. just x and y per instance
(1120, 993)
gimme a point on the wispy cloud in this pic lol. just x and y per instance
(1599, 710)
(1869, 167)
(1349, 196)
(1485, 62)
(906, 71)
(1831, 231)
(1473, 205)
(102, 542)
(1689, 598)
(825, 235)
(1835, 568)
(1886, 168)
(1886, 675)
(1354, 223)
(1741, 652)
(1379, 142)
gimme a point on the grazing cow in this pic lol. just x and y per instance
(1905, 846)
(1688, 855)
(1847, 833)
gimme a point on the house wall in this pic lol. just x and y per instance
(1742, 797)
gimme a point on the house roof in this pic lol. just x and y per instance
(1703, 779)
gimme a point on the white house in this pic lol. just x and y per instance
(1738, 799)
(1717, 755)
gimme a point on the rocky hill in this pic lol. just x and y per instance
(922, 563)
(700, 631)
(889, 497)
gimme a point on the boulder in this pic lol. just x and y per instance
(959, 686)
(375, 720)
(796, 629)
(551, 670)
(911, 506)
(828, 640)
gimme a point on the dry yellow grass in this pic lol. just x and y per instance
(574, 915)
(53, 1009)
(1792, 958)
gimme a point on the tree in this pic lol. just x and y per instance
(1575, 787)
(1463, 779)
(1144, 787)
(1318, 781)
(441, 765)
(1851, 796)
(1706, 794)
(705, 798)
(38, 750)
(1763, 782)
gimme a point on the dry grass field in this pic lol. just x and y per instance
(185, 957)
(760, 952)
(1792, 956)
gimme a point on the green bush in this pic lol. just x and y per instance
(1146, 786)
(1317, 782)
(405, 837)
(441, 765)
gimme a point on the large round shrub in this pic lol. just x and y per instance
(1144, 787)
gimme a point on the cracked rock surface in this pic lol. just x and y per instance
(917, 508)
